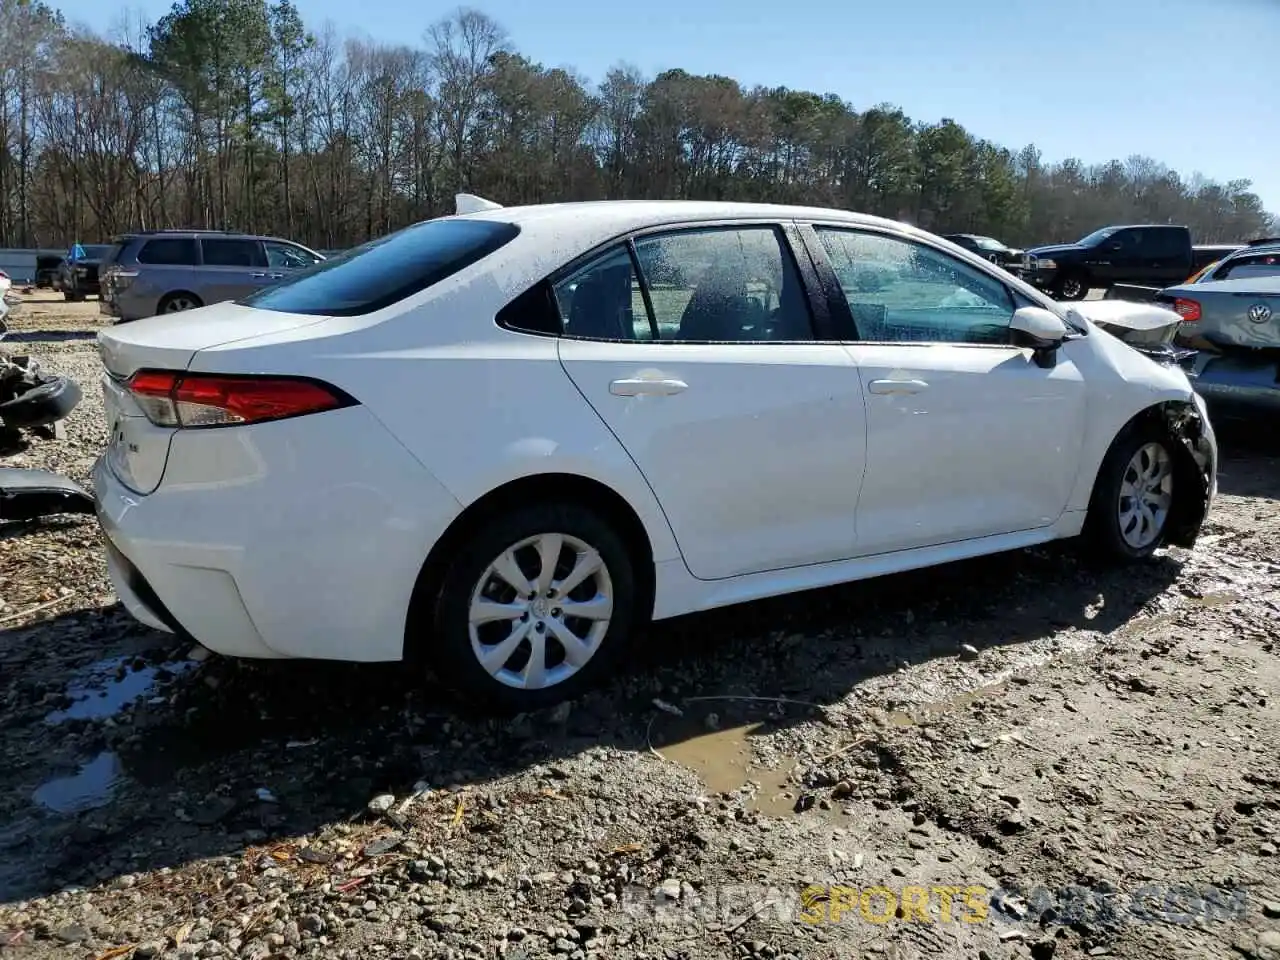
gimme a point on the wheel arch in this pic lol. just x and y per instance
(533, 488)
(1180, 422)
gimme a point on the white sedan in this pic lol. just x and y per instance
(495, 443)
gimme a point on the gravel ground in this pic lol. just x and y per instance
(1014, 757)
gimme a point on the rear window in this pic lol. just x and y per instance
(169, 251)
(113, 253)
(386, 270)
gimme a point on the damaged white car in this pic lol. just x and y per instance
(495, 443)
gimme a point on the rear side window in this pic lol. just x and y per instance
(386, 270)
(169, 251)
(226, 252)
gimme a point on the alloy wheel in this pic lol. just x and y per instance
(540, 611)
(178, 304)
(1146, 494)
(1072, 288)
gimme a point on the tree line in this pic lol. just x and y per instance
(233, 114)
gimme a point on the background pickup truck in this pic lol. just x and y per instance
(1156, 255)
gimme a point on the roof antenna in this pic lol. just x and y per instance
(470, 203)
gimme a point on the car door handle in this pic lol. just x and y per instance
(897, 386)
(268, 276)
(645, 387)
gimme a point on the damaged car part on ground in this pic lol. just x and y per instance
(639, 410)
(32, 400)
(27, 494)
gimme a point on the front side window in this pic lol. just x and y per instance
(902, 291)
(387, 270)
(704, 285)
(169, 251)
(223, 252)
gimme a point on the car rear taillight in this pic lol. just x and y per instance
(211, 400)
(1188, 310)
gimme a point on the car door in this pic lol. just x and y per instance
(966, 435)
(697, 347)
(233, 267)
(1117, 260)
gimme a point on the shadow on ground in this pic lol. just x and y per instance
(324, 738)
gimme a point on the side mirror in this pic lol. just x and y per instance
(1042, 330)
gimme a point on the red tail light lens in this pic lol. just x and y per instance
(1188, 310)
(209, 400)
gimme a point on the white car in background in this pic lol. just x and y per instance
(497, 442)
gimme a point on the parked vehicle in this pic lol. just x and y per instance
(46, 274)
(988, 249)
(1151, 254)
(1259, 258)
(1202, 255)
(497, 442)
(77, 275)
(1232, 328)
(169, 271)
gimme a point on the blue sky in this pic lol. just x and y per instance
(1189, 82)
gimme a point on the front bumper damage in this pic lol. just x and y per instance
(1195, 468)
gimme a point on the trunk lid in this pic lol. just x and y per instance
(1239, 314)
(170, 341)
(137, 449)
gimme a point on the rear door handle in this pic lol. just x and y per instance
(644, 387)
(897, 386)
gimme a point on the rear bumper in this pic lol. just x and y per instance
(1238, 382)
(302, 538)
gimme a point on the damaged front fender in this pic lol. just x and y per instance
(1195, 469)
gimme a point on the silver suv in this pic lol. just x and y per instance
(166, 271)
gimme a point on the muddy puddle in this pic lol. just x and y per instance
(108, 686)
(93, 786)
(722, 759)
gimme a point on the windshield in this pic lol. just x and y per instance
(1096, 237)
(987, 243)
(97, 251)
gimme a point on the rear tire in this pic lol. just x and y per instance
(1072, 286)
(179, 302)
(1133, 497)
(491, 634)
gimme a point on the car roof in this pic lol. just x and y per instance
(1273, 247)
(595, 221)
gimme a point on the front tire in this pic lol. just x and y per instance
(1133, 497)
(537, 606)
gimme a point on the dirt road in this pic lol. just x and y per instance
(1014, 757)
